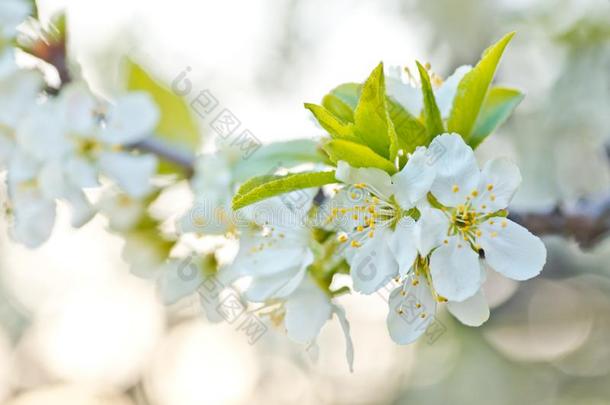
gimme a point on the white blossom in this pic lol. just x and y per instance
(400, 85)
(367, 212)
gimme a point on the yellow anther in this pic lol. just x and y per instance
(360, 228)
(492, 197)
(403, 292)
(446, 242)
(342, 238)
(504, 224)
(371, 234)
(423, 315)
(491, 222)
(343, 210)
(490, 187)
(355, 244)
(474, 193)
(494, 234)
(375, 200)
(455, 188)
(355, 216)
(418, 305)
(371, 209)
(354, 196)
(415, 282)
(483, 206)
(360, 185)
(478, 233)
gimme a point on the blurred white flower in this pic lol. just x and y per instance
(213, 185)
(19, 89)
(12, 14)
(400, 85)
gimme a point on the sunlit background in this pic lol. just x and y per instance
(77, 328)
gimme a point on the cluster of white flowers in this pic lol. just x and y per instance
(55, 147)
(432, 230)
(436, 227)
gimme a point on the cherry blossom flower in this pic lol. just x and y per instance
(367, 212)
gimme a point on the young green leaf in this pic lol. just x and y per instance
(473, 89)
(371, 117)
(410, 132)
(261, 188)
(432, 115)
(348, 93)
(356, 155)
(279, 154)
(498, 106)
(176, 125)
(338, 108)
(333, 125)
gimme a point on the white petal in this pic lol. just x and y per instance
(349, 345)
(512, 250)
(455, 270)
(307, 310)
(402, 244)
(411, 312)
(81, 172)
(19, 92)
(52, 181)
(33, 222)
(376, 179)
(82, 210)
(457, 173)
(45, 120)
(403, 92)
(179, 279)
(413, 182)
(130, 119)
(473, 311)
(446, 93)
(79, 108)
(281, 255)
(280, 283)
(132, 173)
(499, 181)
(430, 230)
(12, 13)
(373, 264)
(7, 146)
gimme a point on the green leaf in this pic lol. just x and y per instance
(333, 125)
(356, 155)
(473, 89)
(432, 116)
(371, 117)
(348, 93)
(279, 155)
(498, 106)
(176, 124)
(338, 108)
(258, 189)
(410, 132)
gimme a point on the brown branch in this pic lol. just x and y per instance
(587, 223)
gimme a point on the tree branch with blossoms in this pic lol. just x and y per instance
(410, 211)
